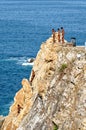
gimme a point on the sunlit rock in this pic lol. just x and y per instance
(56, 97)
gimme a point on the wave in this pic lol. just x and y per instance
(24, 61)
(29, 61)
(26, 64)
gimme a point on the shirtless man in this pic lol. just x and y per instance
(53, 32)
(19, 108)
(58, 35)
(62, 32)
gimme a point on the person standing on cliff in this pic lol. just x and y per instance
(19, 108)
(53, 32)
(62, 35)
(58, 35)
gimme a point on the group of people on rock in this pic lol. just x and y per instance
(60, 35)
(19, 108)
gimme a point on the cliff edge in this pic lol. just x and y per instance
(56, 97)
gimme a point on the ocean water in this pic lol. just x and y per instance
(24, 25)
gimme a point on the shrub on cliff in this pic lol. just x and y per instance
(63, 67)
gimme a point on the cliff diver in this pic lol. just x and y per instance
(53, 32)
(62, 35)
(58, 35)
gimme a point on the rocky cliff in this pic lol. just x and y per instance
(56, 97)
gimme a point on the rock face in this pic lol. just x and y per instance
(1, 120)
(56, 98)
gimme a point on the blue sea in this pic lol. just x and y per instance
(24, 25)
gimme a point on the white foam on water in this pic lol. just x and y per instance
(26, 64)
(21, 61)
(24, 61)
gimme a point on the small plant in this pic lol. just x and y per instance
(55, 127)
(63, 67)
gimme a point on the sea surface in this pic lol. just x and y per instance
(24, 25)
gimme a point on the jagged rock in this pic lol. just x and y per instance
(57, 95)
(1, 121)
(22, 98)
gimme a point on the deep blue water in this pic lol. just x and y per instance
(24, 25)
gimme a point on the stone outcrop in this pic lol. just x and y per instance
(22, 98)
(56, 98)
(1, 120)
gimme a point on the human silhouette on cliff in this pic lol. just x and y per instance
(53, 32)
(58, 35)
(18, 108)
(62, 35)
